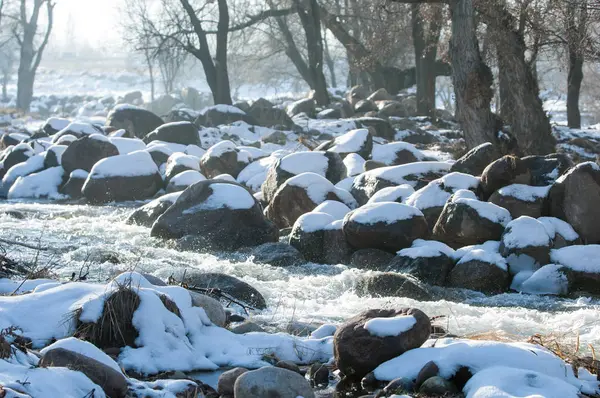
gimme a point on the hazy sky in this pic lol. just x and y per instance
(95, 21)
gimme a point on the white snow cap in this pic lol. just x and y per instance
(57, 123)
(547, 280)
(556, 226)
(352, 141)
(42, 185)
(318, 187)
(313, 221)
(386, 153)
(303, 162)
(81, 128)
(525, 231)
(392, 326)
(219, 149)
(187, 178)
(525, 193)
(224, 195)
(223, 109)
(127, 145)
(437, 192)
(583, 258)
(487, 210)
(427, 248)
(354, 164)
(180, 159)
(337, 209)
(137, 163)
(386, 212)
(392, 194)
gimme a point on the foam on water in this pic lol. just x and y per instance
(81, 235)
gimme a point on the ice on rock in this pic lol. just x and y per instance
(392, 326)
(547, 280)
(392, 194)
(336, 209)
(386, 212)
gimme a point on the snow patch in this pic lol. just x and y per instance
(392, 326)
(224, 195)
(386, 212)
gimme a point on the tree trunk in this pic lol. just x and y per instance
(25, 76)
(222, 74)
(529, 122)
(576, 33)
(573, 90)
(471, 76)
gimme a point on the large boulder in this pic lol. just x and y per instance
(391, 284)
(112, 382)
(272, 382)
(224, 158)
(137, 121)
(183, 180)
(546, 169)
(53, 156)
(227, 381)
(147, 214)
(581, 266)
(307, 106)
(72, 188)
(308, 235)
(417, 175)
(428, 261)
(268, 115)
(325, 164)
(179, 162)
(84, 153)
(476, 160)
(359, 141)
(227, 284)
(387, 226)
(375, 336)
(54, 124)
(277, 254)
(505, 171)
(301, 194)
(467, 221)
(521, 200)
(371, 259)
(382, 127)
(218, 115)
(481, 270)
(184, 133)
(525, 244)
(121, 178)
(216, 214)
(574, 198)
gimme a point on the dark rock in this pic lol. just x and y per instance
(74, 185)
(184, 133)
(382, 127)
(398, 386)
(84, 153)
(289, 365)
(390, 284)
(402, 226)
(137, 121)
(229, 285)
(358, 352)
(432, 270)
(112, 382)
(267, 115)
(428, 371)
(277, 254)
(373, 259)
(356, 94)
(476, 160)
(19, 154)
(149, 213)
(224, 158)
(318, 374)
(217, 228)
(307, 106)
(502, 172)
(227, 381)
(308, 235)
(53, 156)
(177, 163)
(276, 137)
(247, 327)
(372, 165)
(480, 276)
(336, 249)
(546, 169)
(364, 106)
(218, 115)
(437, 386)
(358, 141)
(574, 198)
(531, 203)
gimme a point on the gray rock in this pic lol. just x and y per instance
(213, 308)
(476, 160)
(289, 365)
(437, 386)
(272, 382)
(247, 327)
(226, 383)
(373, 259)
(229, 285)
(391, 284)
(278, 254)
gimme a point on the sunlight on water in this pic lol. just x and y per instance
(78, 235)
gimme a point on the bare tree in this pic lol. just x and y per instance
(170, 59)
(26, 32)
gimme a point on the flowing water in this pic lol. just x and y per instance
(78, 235)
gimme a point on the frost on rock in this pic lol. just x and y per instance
(392, 326)
(137, 163)
(393, 194)
(547, 280)
(42, 185)
(224, 195)
(386, 212)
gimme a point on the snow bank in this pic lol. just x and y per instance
(386, 212)
(525, 231)
(352, 141)
(42, 185)
(336, 209)
(137, 163)
(386, 154)
(478, 355)
(582, 258)
(392, 326)
(525, 193)
(302, 162)
(223, 195)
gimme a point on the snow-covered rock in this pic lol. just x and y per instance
(396, 153)
(224, 158)
(147, 214)
(84, 153)
(525, 244)
(137, 121)
(184, 133)
(359, 141)
(521, 200)
(183, 180)
(40, 185)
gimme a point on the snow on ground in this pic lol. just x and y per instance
(392, 326)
